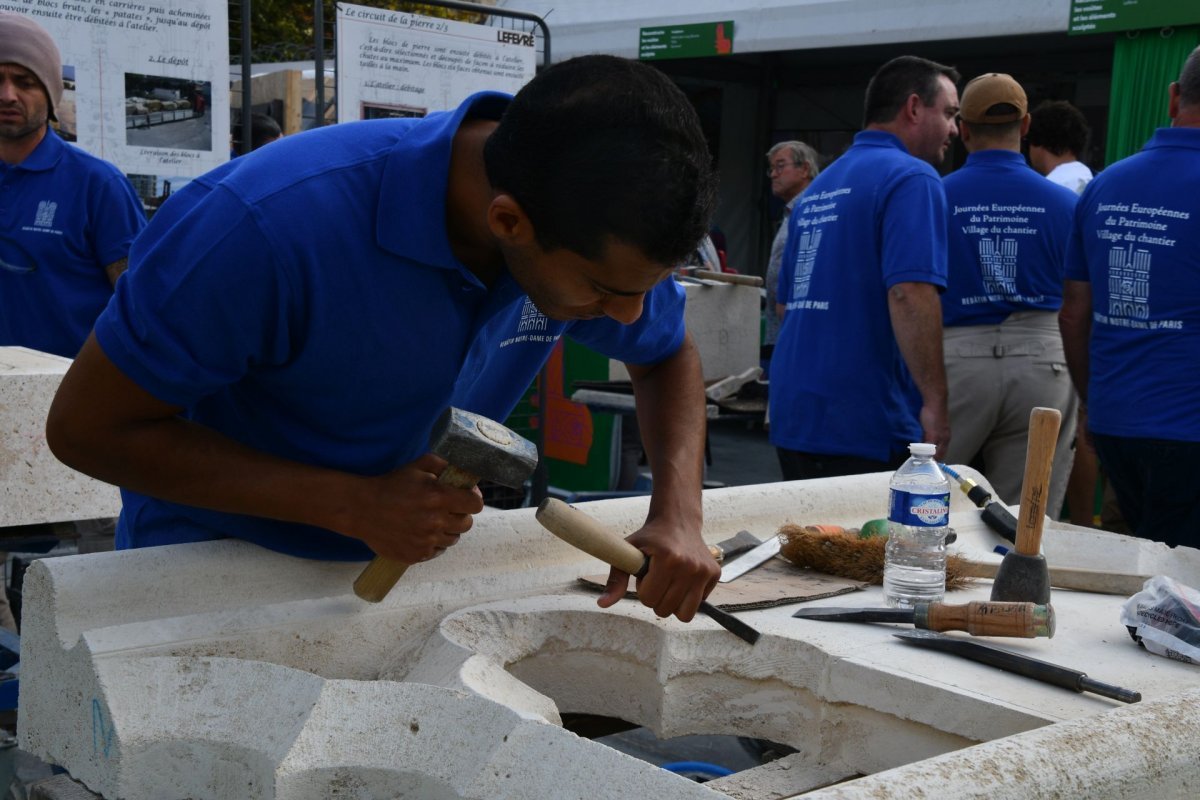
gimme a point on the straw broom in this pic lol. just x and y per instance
(836, 551)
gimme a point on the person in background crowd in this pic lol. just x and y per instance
(857, 371)
(1058, 135)
(69, 217)
(1131, 321)
(1004, 353)
(791, 167)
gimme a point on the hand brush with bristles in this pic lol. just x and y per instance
(834, 551)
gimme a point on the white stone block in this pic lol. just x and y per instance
(725, 321)
(221, 670)
(34, 485)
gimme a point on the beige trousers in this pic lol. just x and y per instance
(997, 374)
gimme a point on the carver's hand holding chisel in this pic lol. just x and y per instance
(670, 405)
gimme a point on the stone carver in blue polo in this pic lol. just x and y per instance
(1008, 229)
(68, 217)
(293, 322)
(1131, 321)
(857, 371)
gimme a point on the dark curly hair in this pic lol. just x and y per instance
(1059, 127)
(598, 147)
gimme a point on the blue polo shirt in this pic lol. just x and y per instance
(304, 300)
(65, 215)
(839, 386)
(1136, 238)
(1007, 232)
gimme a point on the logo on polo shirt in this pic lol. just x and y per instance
(531, 318)
(45, 214)
(1129, 283)
(806, 256)
(998, 264)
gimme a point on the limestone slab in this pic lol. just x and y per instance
(724, 321)
(224, 670)
(34, 485)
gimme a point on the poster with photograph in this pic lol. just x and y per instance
(146, 81)
(393, 64)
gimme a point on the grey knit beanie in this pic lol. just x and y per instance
(26, 43)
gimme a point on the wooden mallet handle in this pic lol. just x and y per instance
(378, 578)
(983, 618)
(1035, 489)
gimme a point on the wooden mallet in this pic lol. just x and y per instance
(1023, 575)
(474, 447)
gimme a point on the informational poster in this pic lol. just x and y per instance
(147, 83)
(1108, 16)
(393, 64)
(686, 41)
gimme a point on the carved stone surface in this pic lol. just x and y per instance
(222, 670)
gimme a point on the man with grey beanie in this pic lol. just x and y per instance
(68, 217)
(67, 220)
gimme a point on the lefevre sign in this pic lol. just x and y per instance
(686, 41)
(1107, 16)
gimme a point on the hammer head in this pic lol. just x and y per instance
(1022, 579)
(483, 447)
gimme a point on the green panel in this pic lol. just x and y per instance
(1143, 67)
(1107, 16)
(686, 41)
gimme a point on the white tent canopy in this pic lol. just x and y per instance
(611, 26)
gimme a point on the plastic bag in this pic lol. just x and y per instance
(1164, 617)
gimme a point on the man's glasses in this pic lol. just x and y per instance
(780, 166)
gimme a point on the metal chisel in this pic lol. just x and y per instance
(739, 566)
(733, 547)
(980, 618)
(1007, 660)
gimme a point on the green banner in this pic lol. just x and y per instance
(686, 41)
(1106, 16)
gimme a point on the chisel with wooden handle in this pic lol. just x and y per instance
(581, 531)
(979, 618)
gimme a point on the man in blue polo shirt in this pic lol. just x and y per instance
(68, 217)
(1131, 321)
(292, 323)
(1008, 230)
(857, 370)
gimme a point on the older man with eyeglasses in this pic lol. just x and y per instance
(791, 166)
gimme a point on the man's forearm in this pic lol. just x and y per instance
(916, 313)
(102, 424)
(1075, 324)
(670, 412)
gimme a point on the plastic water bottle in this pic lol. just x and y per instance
(914, 567)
